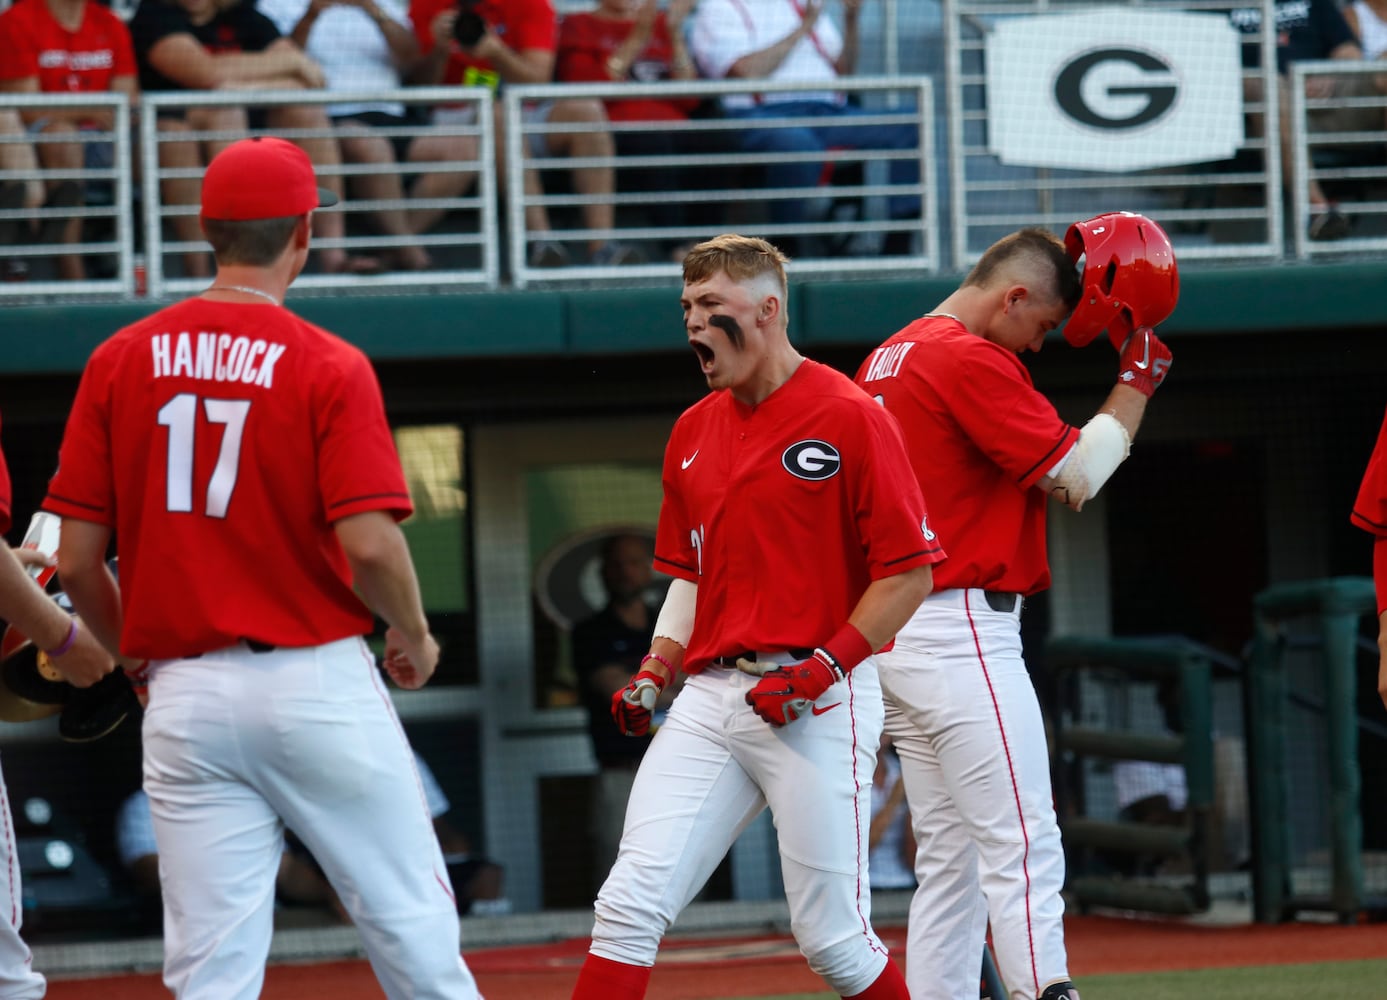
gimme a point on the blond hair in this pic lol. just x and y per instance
(743, 258)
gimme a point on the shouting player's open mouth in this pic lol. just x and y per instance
(706, 357)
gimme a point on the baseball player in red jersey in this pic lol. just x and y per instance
(242, 458)
(81, 659)
(796, 536)
(988, 448)
(1370, 514)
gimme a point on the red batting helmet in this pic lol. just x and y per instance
(1130, 279)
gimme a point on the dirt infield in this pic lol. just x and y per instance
(708, 969)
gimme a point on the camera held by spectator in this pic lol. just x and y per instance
(469, 27)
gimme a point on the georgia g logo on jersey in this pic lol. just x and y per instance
(812, 460)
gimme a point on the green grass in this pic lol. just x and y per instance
(1330, 980)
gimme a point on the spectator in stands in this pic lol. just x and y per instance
(1368, 21)
(495, 42)
(1311, 30)
(890, 840)
(607, 652)
(794, 40)
(18, 194)
(369, 45)
(227, 45)
(64, 47)
(635, 40)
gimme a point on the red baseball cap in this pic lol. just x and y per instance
(261, 178)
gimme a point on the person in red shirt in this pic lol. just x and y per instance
(1370, 514)
(989, 452)
(513, 41)
(797, 540)
(636, 41)
(242, 459)
(217, 45)
(67, 47)
(77, 655)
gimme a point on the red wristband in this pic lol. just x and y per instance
(847, 648)
(67, 643)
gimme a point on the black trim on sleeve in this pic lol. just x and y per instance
(1368, 524)
(914, 555)
(1046, 457)
(368, 496)
(76, 503)
(676, 565)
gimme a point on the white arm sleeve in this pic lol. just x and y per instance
(676, 617)
(1102, 446)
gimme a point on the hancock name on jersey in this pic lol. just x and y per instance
(216, 357)
(886, 361)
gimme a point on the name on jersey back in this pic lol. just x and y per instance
(216, 357)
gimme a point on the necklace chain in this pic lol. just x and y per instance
(244, 288)
(945, 316)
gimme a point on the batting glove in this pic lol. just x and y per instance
(633, 705)
(1144, 361)
(784, 694)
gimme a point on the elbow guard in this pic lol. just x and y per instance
(1103, 445)
(677, 613)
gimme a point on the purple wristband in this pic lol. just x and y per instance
(67, 643)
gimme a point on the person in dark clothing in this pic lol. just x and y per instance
(607, 652)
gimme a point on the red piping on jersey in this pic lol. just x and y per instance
(872, 941)
(379, 685)
(1015, 790)
(10, 851)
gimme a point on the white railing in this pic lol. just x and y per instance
(858, 240)
(1227, 210)
(480, 267)
(1354, 163)
(112, 253)
(129, 243)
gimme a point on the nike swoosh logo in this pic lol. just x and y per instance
(1145, 361)
(827, 708)
(690, 460)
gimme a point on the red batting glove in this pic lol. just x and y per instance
(634, 704)
(1144, 361)
(784, 694)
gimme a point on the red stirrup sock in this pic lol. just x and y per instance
(890, 985)
(602, 979)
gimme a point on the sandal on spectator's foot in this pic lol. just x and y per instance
(353, 264)
(547, 253)
(1328, 223)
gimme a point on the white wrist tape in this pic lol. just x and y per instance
(676, 616)
(1103, 445)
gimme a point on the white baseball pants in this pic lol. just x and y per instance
(711, 769)
(18, 980)
(965, 720)
(236, 745)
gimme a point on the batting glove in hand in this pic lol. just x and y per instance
(784, 694)
(1144, 361)
(633, 705)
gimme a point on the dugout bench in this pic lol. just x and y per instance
(1334, 609)
(1083, 667)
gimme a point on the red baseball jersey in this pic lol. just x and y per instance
(5, 502)
(521, 24)
(980, 436)
(587, 41)
(1370, 508)
(784, 512)
(33, 43)
(221, 441)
